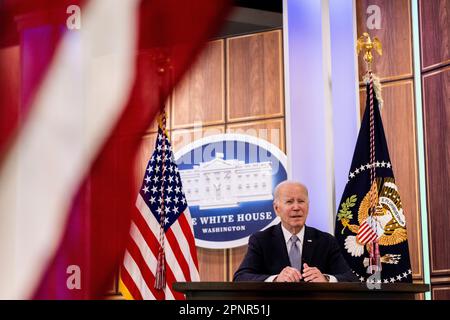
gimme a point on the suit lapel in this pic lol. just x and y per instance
(308, 246)
(281, 244)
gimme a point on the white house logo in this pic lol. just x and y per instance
(228, 181)
(223, 183)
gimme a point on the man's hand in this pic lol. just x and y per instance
(289, 274)
(312, 274)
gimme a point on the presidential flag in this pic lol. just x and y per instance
(161, 248)
(370, 222)
(80, 83)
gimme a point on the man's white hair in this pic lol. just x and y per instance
(276, 192)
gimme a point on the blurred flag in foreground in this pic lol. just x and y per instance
(80, 82)
(161, 249)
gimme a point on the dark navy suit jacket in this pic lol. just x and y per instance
(267, 255)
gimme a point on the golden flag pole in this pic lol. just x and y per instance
(365, 44)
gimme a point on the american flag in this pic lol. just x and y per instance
(160, 230)
(74, 105)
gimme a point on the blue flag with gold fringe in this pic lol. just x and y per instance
(370, 222)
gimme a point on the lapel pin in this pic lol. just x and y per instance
(309, 240)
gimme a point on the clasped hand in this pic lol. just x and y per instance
(310, 274)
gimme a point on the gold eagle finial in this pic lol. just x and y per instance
(364, 42)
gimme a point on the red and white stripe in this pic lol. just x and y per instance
(59, 162)
(139, 267)
(55, 147)
(365, 233)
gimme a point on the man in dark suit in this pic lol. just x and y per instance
(291, 251)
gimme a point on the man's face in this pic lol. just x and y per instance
(292, 206)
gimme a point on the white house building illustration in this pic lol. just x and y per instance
(223, 183)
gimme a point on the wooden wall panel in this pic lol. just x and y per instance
(154, 125)
(144, 154)
(255, 76)
(419, 296)
(394, 34)
(236, 257)
(183, 137)
(399, 121)
(200, 97)
(436, 102)
(434, 32)
(212, 264)
(271, 130)
(398, 116)
(440, 292)
(362, 101)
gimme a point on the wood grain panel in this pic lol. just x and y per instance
(144, 154)
(236, 257)
(270, 130)
(434, 32)
(440, 292)
(182, 137)
(255, 76)
(154, 125)
(394, 34)
(419, 296)
(436, 102)
(440, 280)
(212, 264)
(399, 125)
(399, 121)
(200, 97)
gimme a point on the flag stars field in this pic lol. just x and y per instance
(377, 164)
